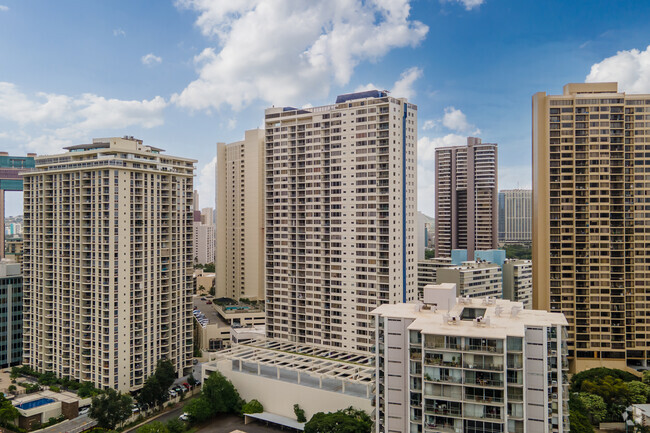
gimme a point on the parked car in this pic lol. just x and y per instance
(172, 393)
(187, 386)
(84, 410)
(184, 416)
(203, 298)
(179, 389)
(135, 408)
(209, 302)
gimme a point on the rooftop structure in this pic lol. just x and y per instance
(473, 279)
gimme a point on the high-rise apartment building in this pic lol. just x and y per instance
(207, 216)
(204, 243)
(341, 211)
(466, 198)
(473, 279)
(11, 319)
(108, 262)
(239, 247)
(591, 148)
(515, 216)
(470, 365)
(518, 281)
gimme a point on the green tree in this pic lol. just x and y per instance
(87, 389)
(165, 373)
(594, 407)
(110, 408)
(577, 418)
(153, 427)
(221, 394)
(348, 420)
(638, 392)
(8, 413)
(209, 267)
(615, 394)
(300, 413)
(253, 406)
(599, 372)
(646, 377)
(199, 409)
(175, 425)
(429, 254)
(152, 393)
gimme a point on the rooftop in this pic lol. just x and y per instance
(208, 311)
(444, 314)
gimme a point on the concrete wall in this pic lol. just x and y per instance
(311, 400)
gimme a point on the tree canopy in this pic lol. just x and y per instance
(110, 408)
(348, 420)
(153, 427)
(599, 372)
(8, 413)
(218, 395)
(577, 416)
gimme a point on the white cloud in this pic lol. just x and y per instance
(427, 145)
(456, 120)
(4, 8)
(429, 124)
(151, 59)
(364, 87)
(205, 183)
(119, 32)
(48, 121)
(403, 87)
(468, 4)
(282, 51)
(631, 68)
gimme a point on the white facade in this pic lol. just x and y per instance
(471, 366)
(515, 216)
(518, 281)
(473, 279)
(204, 243)
(108, 263)
(341, 209)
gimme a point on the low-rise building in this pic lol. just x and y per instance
(518, 281)
(427, 271)
(280, 374)
(11, 320)
(473, 279)
(215, 318)
(14, 249)
(470, 365)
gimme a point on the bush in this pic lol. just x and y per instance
(12, 388)
(253, 406)
(54, 388)
(300, 413)
(176, 426)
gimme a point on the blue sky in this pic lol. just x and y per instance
(183, 75)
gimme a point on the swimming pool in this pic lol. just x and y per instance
(35, 403)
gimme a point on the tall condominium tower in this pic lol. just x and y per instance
(591, 224)
(108, 262)
(239, 247)
(466, 198)
(340, 217)
(515, 216)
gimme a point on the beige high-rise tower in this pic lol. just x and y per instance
(341, 210)
(108, 263)
(239, 250)
(466, 198)
(591, 226)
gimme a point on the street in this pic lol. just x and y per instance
(230, 423)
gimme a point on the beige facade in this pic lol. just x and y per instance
(515, 216)
(108, 262)
(473, 279)
(518, 282)
(428, 271)
(341, 211)
(590, 234)
(466, 198)
(204, 243)
(239, 247)
(470, 365)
